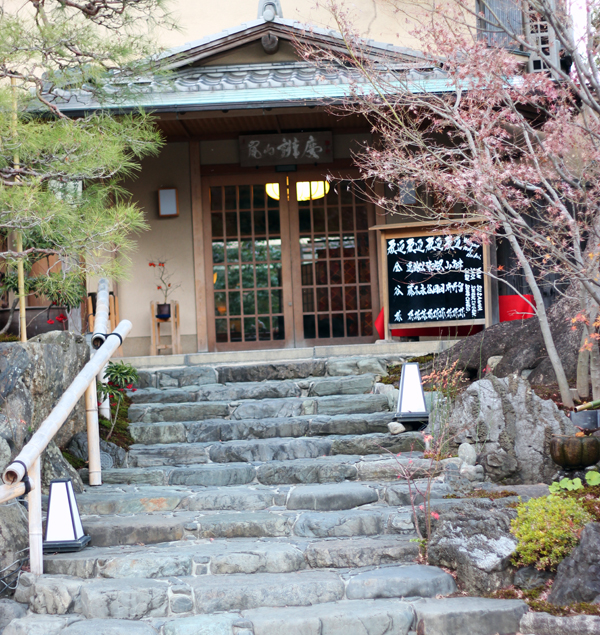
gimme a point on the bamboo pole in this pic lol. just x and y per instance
(93, 435)
(101, 330)
(52, 424)
(8, 492)
(34, 499)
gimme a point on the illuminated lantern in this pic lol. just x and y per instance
(305, 190)
(64, 531)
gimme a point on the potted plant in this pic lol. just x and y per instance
(166, 287)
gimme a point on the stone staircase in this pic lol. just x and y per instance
(258, 500)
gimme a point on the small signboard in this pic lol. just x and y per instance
(286, 149)
(435, 279)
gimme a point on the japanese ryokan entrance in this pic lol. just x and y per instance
(290, 262)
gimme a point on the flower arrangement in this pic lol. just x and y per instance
(164, 277)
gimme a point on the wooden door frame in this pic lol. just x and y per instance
(238, 180)
(319, 175)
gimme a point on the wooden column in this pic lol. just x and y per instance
(198, 236)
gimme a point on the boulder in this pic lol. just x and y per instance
(9, 611)
(55, 466)
(477, 544)
(511, 428)
(79, 449)
(14, 534)
(467, 453)
(578, 576)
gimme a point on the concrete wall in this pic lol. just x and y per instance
(169, 239)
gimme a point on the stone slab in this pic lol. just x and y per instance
(201, 625)
(546, 624)
(109, 627)
(331, 497)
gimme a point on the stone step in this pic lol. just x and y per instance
(130, 499)
(177, 377)
(152, 528)
(328, 469)
(465, 616)
(278, 449)
(259, 408)
(221, 557)
(272, 389)
(141, 598)
(238, 429)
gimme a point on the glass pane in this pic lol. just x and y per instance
(250, 329)
(275, 247)
(319, 220)
(323, 322)
(262, 302)
(230, 197)
(233, 277)
(249, 304)
(220, 303)
(363, 244)
(320, 247)
(233, 254)
(365, 297)
(258, 192)
(221, 328)
(350, 271)
(349, 249)
(337, 325)
(246, 223)
(305, 221)
(248, 276)
(323, 299)
(366, 324)
(364, 271)
(276, 276)
(337, 299)
(235, 330)
(278, 328)
(245, 196)
(260, 250)
(306, 271)
(352, 324)
(246, 246)
(335, 271)
(235, 306)
(264, 328)
(310, 331)
(274, 221)
(306, 249)
(218, 251)
(308, 300)
(216, 198)
(347, 218)
(217, 224)
(231, 228)
(362, 219)
(351, 299)
(321, 272)
(277, 301)
(262, 276)
(219, 277)
(334, 246)
(260, 225)
(333, 219)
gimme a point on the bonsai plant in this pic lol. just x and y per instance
(165, 286)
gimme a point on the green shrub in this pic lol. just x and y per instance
(547, 529)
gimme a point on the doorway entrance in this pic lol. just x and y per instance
(292, 263)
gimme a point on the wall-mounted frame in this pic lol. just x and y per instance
(168, 203)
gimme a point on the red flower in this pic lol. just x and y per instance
(161, 264)
(151, 264)
(134, 390)
(159, 287)
(61, 318)
(50, 321)
(129, 386)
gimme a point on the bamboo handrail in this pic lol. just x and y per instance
(23, 474)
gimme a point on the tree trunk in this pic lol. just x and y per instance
(583, 369)
(10, 316)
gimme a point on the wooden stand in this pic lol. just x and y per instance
(155, 345)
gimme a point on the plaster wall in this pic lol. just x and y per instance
(167, 239)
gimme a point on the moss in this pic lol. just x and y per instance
(533, 599)
(120, 435)
(8, 338)
(73, 460)
(482, 493)
(589, 499)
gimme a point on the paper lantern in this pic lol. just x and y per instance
(64, 531)
(411, 400)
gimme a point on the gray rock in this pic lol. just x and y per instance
(360, 384)
(188, 376)
(350, 404)
(355, 618)
(475, 616)
(531, 578)
(546, 624)
(109, 627)
(578, 576)
(378, 444)
(151, 413)
(306, 471)
(78, 447)
(360, 552)
(130, 530)
(279, 370)
(40, 625)
(467, 453)
(355, 522)
(399, 494)
(55, 466)
(10, 610)
(168, 432)
(331, 497)
(396, 428)
(477, 543)
(201, 625)
(398, 582)
(474, 473)
(356, 366)
(511, 427)
(14, 535)
(213, 475)
(5, 454)
(54, 596)
(172, 454)
(270, 450)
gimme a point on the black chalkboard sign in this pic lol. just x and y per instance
(435, 278)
